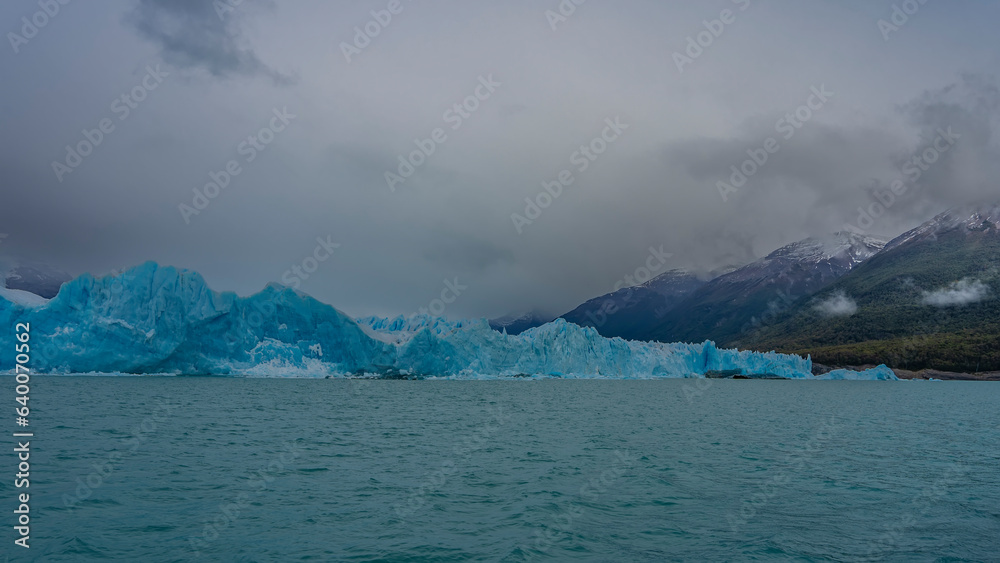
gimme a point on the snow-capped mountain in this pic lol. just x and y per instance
(965, 219)
(823, 259)
(33, 277)
(740, 301)
(675, 282)
(153, 319)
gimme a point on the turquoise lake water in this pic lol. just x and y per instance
(217, 469)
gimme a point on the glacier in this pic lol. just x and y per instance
(153, 319)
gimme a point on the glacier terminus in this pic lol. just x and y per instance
(153, 319)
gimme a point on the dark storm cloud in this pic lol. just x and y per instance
(202, 34)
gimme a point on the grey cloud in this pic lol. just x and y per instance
(325, 174)
(460, 251)
(201, 34)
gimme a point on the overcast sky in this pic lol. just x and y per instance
(200, 78)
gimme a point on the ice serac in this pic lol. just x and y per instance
(153, 320)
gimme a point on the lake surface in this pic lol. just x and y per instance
(214, 469)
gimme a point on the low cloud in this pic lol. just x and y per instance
(957, 294)
(838, 305)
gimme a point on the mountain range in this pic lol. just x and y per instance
(924, 300)
(732, 305)
(680, 306)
